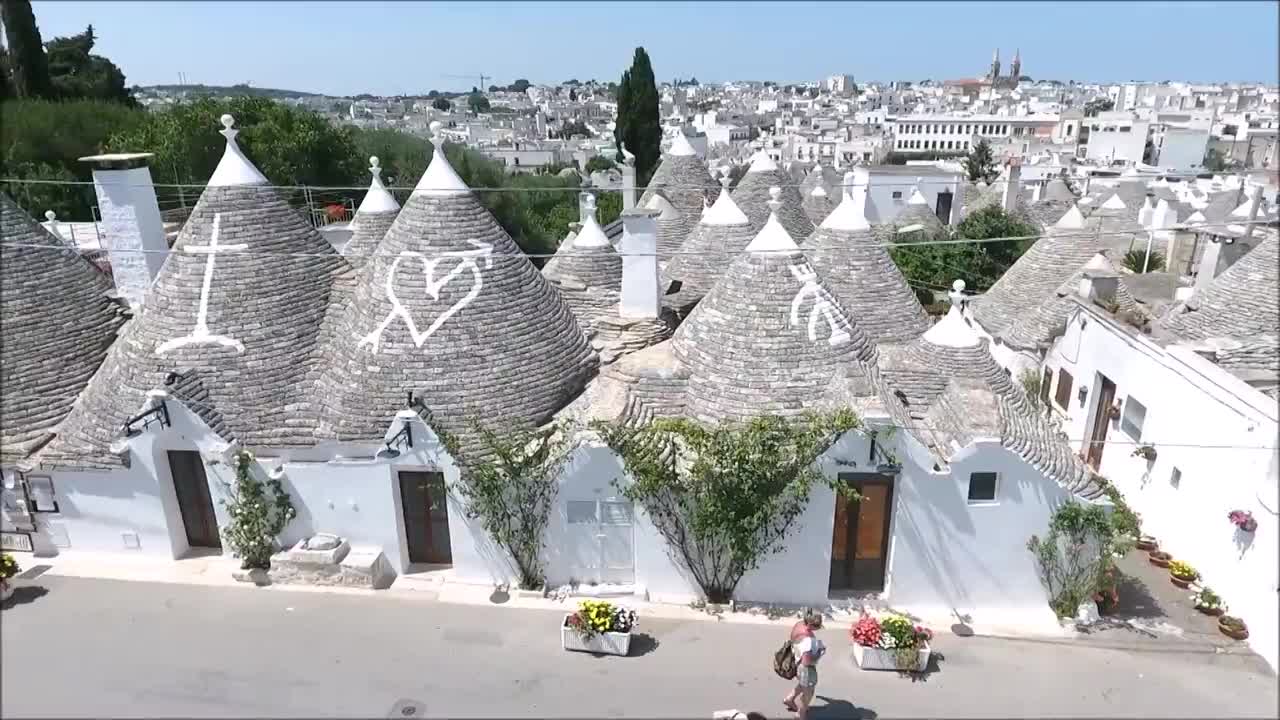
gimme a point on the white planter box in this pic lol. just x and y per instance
(869, 658)
(610, 643)
(6, 592)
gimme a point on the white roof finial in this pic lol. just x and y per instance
(50, 215)
(378, 198)
(628, 157)
(851, 213)
(953, 330)
(234, 168)
(590, 236)
(440, 177)
(724, 211)
(775, 199)
(773, 237)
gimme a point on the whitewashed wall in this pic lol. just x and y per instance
(1189, 402)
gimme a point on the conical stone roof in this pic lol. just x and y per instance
(720, 236)
(816, 178)
(684, 179)
(917, 216)
(1241, 302)
(452, 311)
(1117, 224)
(752, 195)
(817, 204)
(859, 272)
(769, 338)
(238, 310)
(589, 274)
(1064, 249)
(1047, 321)
(673, 226)
(59, 322)
(372, 219)
(1057, 190)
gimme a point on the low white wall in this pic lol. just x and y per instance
(1201, 420)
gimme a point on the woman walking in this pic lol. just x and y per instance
(808, 650)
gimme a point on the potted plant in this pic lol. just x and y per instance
(598, 626)
(1146, 543)
(1107, 595)
(1243, 519)
(1233, 627)
(1159, 558)
(1208, 602)
(890, 642)
(8, 569)
(1182, 574)
(1146, 452)
(1113, 412)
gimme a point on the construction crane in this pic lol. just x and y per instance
(481, 77)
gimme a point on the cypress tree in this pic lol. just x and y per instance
(26, 58)
(624, 111)
(641, 130)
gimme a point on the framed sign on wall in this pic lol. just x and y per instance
(40, 491)
(15, 541)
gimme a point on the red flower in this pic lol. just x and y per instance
(866, 632)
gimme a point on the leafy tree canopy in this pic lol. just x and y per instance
(477, 103)
(978, 264)
(980, 164)
(600, 162)
(442, 104)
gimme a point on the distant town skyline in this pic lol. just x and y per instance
(411, 48)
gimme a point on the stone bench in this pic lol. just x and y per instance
(340, 565)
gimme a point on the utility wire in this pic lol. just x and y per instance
(806, 251)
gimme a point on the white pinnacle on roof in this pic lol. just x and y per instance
(916, 197)
(440, 178)
(851, 213)
(590, 236)
(1072, 219)
(680, 145)
(761, 162)
(663, 205)
(953, 330)
(1114, 203)
(724, 211)
(378, 198)
(234, 168)
(773, 238)
(1243, 210)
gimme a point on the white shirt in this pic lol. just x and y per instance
(808, 644)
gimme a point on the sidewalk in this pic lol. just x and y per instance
(217, 570)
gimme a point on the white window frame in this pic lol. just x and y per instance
(995, 490)
(1126, 424)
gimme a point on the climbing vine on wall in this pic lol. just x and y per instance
(724, 497)
(1077, 554)
(259, 512)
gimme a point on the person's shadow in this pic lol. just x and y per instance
(832, 709)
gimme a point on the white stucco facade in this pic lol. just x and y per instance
(1215, 438)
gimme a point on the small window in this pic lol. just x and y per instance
(982, 487)
(1045, 383)
(1175, 477)
(582, 512)
(1063, 394)
(615, 513)
(1135, 414)
(897, 194)
(1125, 128)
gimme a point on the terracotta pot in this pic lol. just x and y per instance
(1181, 582)
(1211, 612)
(1147, 544)
(1233, 633)
(1160, 559)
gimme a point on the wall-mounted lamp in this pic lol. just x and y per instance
(157, 414)
(404, 438)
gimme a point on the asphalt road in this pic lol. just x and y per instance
(129, 649)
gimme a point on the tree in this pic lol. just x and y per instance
(77, 73)
(1098, 105)
(573, 95)
(639, 126)
(478, 103)
(725, 497)
(575, 127)
(1076, 558)
(494, 88)
(1214, 161)
(259, 513)
(442, 104)
(26, 58)
(980, 164)
(598, 163)
(978, 264)
(511, 490)
(519, 85)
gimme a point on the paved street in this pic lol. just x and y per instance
(112, 648)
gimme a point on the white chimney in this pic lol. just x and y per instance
(1013, 186)
(628, 179)
(1146, 213)
(641, 297)
(1035, 192)
(1098, 285)
(130, 221)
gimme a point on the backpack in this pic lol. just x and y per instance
(784, 662)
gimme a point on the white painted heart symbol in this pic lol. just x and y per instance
(467, 261)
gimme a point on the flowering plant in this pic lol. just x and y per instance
(8, 566)
(1107, 594)
(1207, 599)
(1243, 519)
(1182, 570)
(893, 632)
(866, 632)
(600, 616)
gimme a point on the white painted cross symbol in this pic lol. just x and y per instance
(200, 333)
(822, 306)
(467, 260)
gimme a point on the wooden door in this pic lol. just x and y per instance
(943, 207)
(860, 536)
(194, 501)
(426, 517)
(1101, 422)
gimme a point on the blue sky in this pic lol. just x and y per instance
(406, 48)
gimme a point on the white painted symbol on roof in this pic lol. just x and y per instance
(822, 306)
(200, 333)
(467, 261)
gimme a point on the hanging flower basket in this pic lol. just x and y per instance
(1243, 519)
(1146, 452)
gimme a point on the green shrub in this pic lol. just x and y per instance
(1134, 258)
